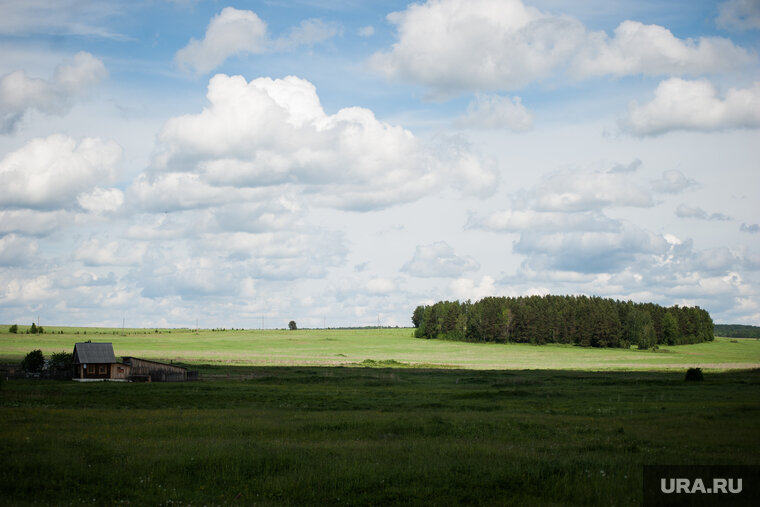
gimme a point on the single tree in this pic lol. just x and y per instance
(292, 325)
(33, 362)
(33, 329)
(13, 329)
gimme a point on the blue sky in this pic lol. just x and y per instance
(244, 164)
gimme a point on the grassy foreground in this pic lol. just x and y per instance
(345, 347)
(361, 436)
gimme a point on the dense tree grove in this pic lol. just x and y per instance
(737, 331)
(579, 320)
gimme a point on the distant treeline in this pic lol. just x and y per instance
(737, 331)
(579, 320)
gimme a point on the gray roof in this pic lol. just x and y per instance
(95, 353)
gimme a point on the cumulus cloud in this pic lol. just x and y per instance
(519, 220)
(683, 211)
(516, 45)
(438, 260)
(680, 104)
(267, 133)
(51, 173)
(16, 250)
(94, 252)
(233, 32)
(672, 182)
(589, 252)
(19, 93)
(495, 112)
(626, 168)
(653, 50)
(466, 288)
(101, 200)
(32, 222)
(587, 191)
(739, 15)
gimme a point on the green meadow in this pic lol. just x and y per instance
(371, 417)
(333, 347)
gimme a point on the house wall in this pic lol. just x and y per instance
(158, 372)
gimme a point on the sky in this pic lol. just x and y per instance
(337, 163)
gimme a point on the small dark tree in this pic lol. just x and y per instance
(33, 362)
(13, 329)
(694, 374)
(292, 325)
(33, 329)
(61, 361)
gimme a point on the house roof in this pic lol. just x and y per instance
(95, 353)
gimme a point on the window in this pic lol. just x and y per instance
(91, 368)
(102, 369)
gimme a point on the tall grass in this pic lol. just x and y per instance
(369, 436)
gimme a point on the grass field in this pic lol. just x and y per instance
(501, 425)
(346, 347)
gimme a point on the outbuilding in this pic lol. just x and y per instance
(153, 371)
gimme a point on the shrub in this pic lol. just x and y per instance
(61, 361)
(13, 329)
(694, 374)
(33, 362)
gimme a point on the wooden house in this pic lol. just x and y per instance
(96, 361)
(153, 371)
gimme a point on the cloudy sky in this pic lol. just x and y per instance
(242, 164)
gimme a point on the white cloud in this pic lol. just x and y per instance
(32, 222)
(672, 182)
(545, 221)
(16, 250)
(458, 45)
(101, 200)
(693, 105)
(275, 133)
(466, 288)
(683, 211)
(438, 260)
(234, 32)
(653, 50)
(587, 191)
(93, 252)
(750, 228)
(230, 32)
(739, 14)
(380, 286)
(367, 31)
(589, 252)
(307, 33)
(496, 112)
(51, 173)
(20, 93)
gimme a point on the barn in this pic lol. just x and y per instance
(96, 361)
(153, 371)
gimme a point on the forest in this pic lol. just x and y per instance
(580, 320)
(737, 331)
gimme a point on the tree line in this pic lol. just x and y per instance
(579, 320)
(737, 331)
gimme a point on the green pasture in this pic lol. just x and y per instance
(369, 436)
(332, 347)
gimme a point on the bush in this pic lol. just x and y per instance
(13, 329)
(33, 362)
(61, 361)
(694, 374)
